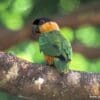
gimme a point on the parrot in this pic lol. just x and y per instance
(55, 47)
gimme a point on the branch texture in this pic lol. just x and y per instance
(24, 79)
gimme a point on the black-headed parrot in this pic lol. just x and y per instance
(56, 48)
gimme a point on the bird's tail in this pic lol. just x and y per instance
(62, 66)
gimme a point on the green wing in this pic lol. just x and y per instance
(54, 44)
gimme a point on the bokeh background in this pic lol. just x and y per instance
(79, 21)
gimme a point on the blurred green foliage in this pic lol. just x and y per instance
(69, 5)
(13, 13)
(29, 51)
(88, 35)
(68, 33)
(45, 8)
(15, 21)
(5, 96)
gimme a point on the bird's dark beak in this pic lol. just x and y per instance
(35, 29)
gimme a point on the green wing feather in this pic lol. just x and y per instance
(54, 44)
(50, 43)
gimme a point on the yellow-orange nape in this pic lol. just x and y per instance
(48, 26)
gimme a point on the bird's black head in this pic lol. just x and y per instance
(43, 25)
(42, 20)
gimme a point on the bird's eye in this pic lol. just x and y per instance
(42, 22)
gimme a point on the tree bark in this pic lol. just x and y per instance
(41, 82)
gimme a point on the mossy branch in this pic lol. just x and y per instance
(24, 79)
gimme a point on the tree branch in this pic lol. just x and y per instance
(9, 38)
(22, 78)
(89, 52)
(86, 14)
